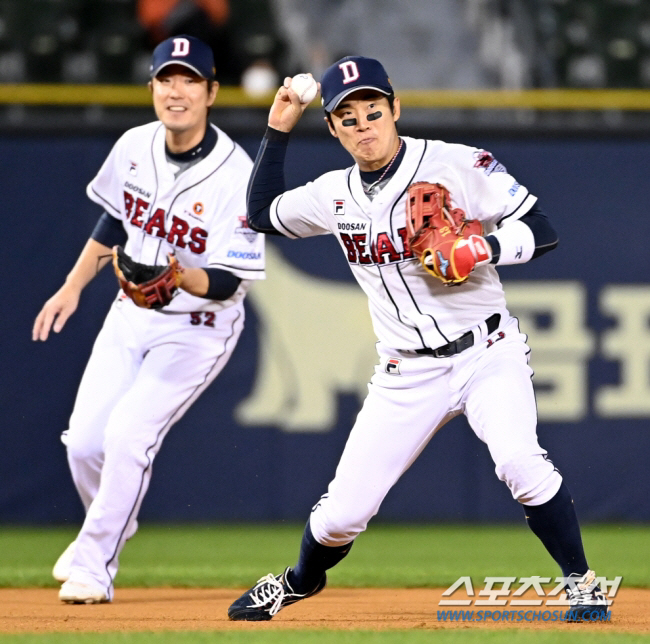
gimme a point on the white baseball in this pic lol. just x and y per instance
(305, 86)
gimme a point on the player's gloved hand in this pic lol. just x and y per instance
(448, 245)
(469, 253)
(150, 287)
(453, 262)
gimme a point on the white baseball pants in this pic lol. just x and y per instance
(145, 371)
(490, 383)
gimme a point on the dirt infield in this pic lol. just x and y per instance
(173, 609)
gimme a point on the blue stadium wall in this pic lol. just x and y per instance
(249, 451)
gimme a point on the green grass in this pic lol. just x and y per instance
(386, 555)
(335, 637)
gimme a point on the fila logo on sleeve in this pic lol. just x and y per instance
(181, 47)
(350, 71)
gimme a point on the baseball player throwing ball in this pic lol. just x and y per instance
(174, 225)
(423, 225)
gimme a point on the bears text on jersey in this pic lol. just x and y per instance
(179, 234)
(381, 250)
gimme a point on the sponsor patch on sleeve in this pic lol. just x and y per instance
(513, 190)
(244, 255)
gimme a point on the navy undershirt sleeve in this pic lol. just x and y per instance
(109, 231)
(545, 236)
(267, 181)
(222, 284)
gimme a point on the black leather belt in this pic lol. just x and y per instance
(460, 344)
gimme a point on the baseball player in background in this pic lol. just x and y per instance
(447, 344)
(175, 186)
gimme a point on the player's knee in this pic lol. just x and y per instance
(81, 446)
(126, 452)
(531, 478)
(337, 526)
(123, 448)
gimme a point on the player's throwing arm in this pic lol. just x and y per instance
(287, 106)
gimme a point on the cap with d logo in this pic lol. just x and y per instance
(183, 50)
(350, 74)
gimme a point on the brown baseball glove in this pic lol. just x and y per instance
(150, 287)
(448, 245)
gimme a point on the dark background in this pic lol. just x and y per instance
(595, 190)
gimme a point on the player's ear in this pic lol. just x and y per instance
(150, 86)
(328, 120)
(397, 109)
(213, 90)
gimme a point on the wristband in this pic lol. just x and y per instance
(516, 243)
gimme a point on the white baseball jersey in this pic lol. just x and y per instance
(201, 217)
(410, 309)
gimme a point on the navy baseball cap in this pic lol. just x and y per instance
(183, 50)
(350, 74)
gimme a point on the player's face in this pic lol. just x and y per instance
(365, 125)
(181, 100)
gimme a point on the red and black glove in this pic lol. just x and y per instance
(150, 287)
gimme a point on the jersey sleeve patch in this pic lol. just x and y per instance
(485, 161)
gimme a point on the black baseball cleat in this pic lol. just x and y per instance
(587, 601)
(267, 597)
